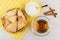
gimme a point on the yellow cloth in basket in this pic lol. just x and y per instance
(6, 5)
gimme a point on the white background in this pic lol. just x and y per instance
(55, 27)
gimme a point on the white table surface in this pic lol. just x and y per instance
(55, 27)
(5, 36)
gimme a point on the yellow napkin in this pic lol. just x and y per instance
(6, 5)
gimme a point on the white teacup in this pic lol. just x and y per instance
(39, 18)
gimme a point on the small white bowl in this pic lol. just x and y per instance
(39, 18)
(32, 8)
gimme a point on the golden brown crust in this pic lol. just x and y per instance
(14, 20)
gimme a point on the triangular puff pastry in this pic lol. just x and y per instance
(14, 20)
